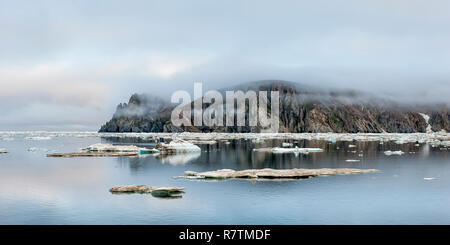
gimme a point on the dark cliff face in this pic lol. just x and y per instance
(440, 120)
(302, 109)
(142, 113)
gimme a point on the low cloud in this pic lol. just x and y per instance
(85, 57)
(51, 83)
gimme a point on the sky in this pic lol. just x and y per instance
(65, 65)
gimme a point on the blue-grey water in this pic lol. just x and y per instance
(35, 189)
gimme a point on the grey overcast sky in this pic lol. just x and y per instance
(67, 64)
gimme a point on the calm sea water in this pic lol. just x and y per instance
(35, 189)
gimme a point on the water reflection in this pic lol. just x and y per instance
(239, 154)
(160, 195)
(179, 159)
(35, 189)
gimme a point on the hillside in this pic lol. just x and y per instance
(302, 109)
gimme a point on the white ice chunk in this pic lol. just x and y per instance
(389, 153)
(430, 178)
(295, 150)
(36, 149)
(38, 138)
(178, 146)
(111, 148)
(203, 142)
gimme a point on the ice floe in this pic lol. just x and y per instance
(177, 146)
(203, 142)
(38, 138)
(37, 149)
(107, 150)
(268, 173)
(389, 153)
(155, 191)
(265, 149)
(430, 178)
(286, 144)
(296, 150)
(112, 148)
(94, 154)
(352, 160)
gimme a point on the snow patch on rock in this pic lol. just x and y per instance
(427, 119)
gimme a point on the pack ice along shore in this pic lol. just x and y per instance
(302, 109)
(435, 139)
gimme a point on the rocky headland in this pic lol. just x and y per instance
(303, 109)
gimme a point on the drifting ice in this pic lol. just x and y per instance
(177, 146)
(155, 191)
(112, 148)
(268, 173)
(285, 144)
(430, 178)
(433, 137)
(296, 150)
(38, 138)
(388, 153)
(36, 149)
